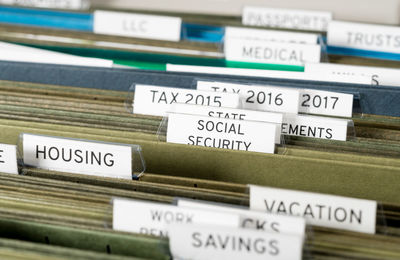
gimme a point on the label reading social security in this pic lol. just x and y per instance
(318, 209)
(266, 98)
(78, 156)
(137, 25)
(156, 101)
(221, 133)
(8, 159)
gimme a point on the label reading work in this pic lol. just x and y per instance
(318, 209)
(8, 159)
(156, 101)
(266, 98)
(78, 156)
(364, 36)
(198, 242)
(137, 25)
(152, 218)
(243, 50)
(54, 4)
(221, 133)
(286, 18)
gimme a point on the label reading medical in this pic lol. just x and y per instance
(8, 159)
(78, 156)
(137, 25)
(198, 242)
(244, 50)
(266, 98)
(318, 209)
(286, 18)
(221, 133)
(156, 101)
(152, 218)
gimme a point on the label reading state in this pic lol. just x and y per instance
(243, 50)
(8, 159)
(364, 36)
(318, 209)
(152, 218)
(315, 127)
(156, 101)
(213, 242)
(254, 220)
(56, 4)
(221, 133)
(137, 25)
(286, 18)
(78, 156)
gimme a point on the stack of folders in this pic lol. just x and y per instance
(199, 129)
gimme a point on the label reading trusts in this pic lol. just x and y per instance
(56, 4)
(78, 156)
(8, 159)
(156, 101)
(137, 25)
(286, 18)
(244, 50)
(198, 242)
(221, 133)
(318, 209)
(364, 36)
(152, 218)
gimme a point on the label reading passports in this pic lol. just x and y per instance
(152, 218)
(364, 36)
(243, 50)
(286, 18)
(318, 209)
(156, 101)
(137, 25)
(221, 133)
(8, 159)
(199, 242)
(266, 98)
(78, 156)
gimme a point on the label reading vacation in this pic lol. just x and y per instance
(286, 18)
(137, 25)
(221, 133)
(198, 242)
(78, 156)
(8, 159)
(318, 209)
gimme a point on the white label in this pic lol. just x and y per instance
(232, 113)
(152, 218)
(221, 133)
(315, 127)
(60, 4)
(318, 209)
(270, 74)
(199, 242)
(255, 220)
(364, 36)
(266, 98)
(271, 52)
(78, 156)
(326, 103)
(286, 18)
(8, 159)
(156, 101)
(137, 25)
(270, 35)
(377, 76)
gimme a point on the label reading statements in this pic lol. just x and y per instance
(286, 18)
(156, 101)
(318, 209)
(8, 159)
(137, 25)
(152, 218)
(221, 133)
(78, 156)
(198, 242)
